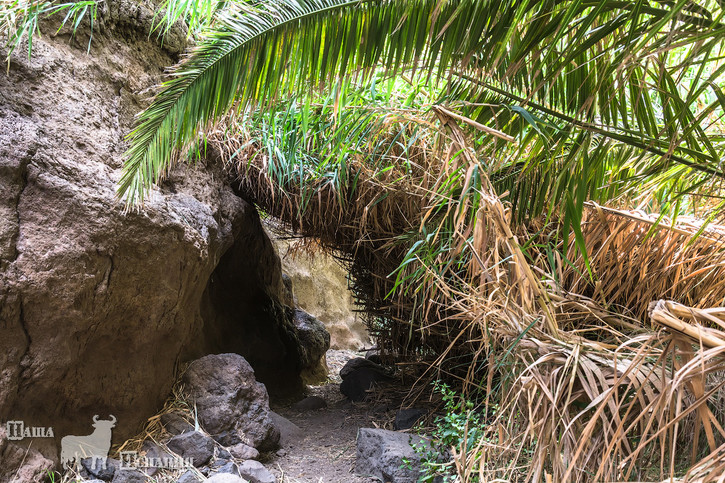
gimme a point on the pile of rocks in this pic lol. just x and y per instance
(234, 425)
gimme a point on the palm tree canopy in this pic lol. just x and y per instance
(641, 76)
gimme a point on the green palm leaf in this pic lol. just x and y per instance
(258, 55)
(588, 61)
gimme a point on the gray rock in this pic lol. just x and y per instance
(21, 464)
(228, 438)
(310, 403)
(255, 472)
(156, 457)
(381, 454)
(130, 476)
(406, 418)
(175, 424)
(357, 382)
(244, 452)
(226, 478)
(101, 468)
(289, 431)
(194, 445)
(227, 467)
(359, 363)
(314, 343)
(229, 399)
(189, 476)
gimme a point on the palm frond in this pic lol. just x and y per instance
(583, 58)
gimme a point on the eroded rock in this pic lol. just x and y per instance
(193, 445)
(314, 343)
(21, 464)
(230, 402)
(99, 305)
(388, 455)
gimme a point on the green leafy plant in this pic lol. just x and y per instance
(19, 19)
(460, 427)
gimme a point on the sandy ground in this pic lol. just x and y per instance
(326, 451)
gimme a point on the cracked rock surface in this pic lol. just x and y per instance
(98, 306)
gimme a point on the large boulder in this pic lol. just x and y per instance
(230, 404)
(314, 341)
(99, 306)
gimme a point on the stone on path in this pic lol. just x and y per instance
(388, 455)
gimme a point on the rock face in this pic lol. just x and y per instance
(98, 307)
(320, 288)
(231, 405)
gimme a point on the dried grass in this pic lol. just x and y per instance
(610, 380)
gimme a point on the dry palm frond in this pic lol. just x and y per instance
(637, 258)
(578, 386)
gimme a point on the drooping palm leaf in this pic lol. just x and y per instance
(582, 59)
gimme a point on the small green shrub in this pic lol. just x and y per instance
(460, 427)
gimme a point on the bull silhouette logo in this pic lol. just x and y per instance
(95, 445)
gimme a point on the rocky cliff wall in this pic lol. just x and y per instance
(98, 307)
(319, 284)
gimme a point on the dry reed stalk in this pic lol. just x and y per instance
(583, 389)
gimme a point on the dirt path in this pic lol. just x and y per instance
(325, 450)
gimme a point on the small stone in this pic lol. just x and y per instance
(189, 477)
(130, 476)
(226, 478)
(156, 456)
(228, 467)
(244, 452)
(101, 468)
(406, 418)
(255, 472)
(310, 404)
(218, 463)
(194, 445)
(175, 424)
